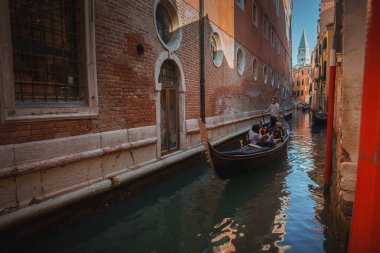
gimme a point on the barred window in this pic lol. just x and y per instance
(168, 74)
(45, 50)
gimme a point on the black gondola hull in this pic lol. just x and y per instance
(227, 166)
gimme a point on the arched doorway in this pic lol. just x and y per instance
(169, 111)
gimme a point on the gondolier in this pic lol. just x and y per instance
(274, 109)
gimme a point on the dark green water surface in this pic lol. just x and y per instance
(276, 209)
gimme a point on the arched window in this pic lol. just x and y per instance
(216, 49)
(168, 25)
(265, 74)
(164, 23)
(240, 61)
(169, 79)
(254, 67)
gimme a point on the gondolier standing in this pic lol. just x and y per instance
(274, 109)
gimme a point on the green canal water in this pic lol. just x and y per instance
(279, 208)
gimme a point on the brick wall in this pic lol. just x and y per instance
(126, 79)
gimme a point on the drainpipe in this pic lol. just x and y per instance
(202, 60)
(330, 119)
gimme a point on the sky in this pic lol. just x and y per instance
(305, 16)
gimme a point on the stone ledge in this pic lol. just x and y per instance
(348, 184)
(52, 204)
(348, 169)
(63, 160)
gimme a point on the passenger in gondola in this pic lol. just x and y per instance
(255, 134)
(256, 137)
(265, 131)
(278, 133)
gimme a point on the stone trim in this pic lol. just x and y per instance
(63, 160)
(34, 156)
(12, 113)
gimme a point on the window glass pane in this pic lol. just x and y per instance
(169, 106)
(173, 125)
(164, 23)
(213, 47)
(164, 130)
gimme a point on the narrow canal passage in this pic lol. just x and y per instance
(276, 209)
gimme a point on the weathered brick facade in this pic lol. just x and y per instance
(42, 158)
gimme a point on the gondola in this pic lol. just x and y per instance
(319, 118)
(228, 164)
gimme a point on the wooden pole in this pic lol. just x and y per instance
(366, 212)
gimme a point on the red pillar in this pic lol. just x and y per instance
(330, 118)
(366, 213)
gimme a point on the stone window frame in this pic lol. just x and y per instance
(255, 21)
(10, 112)
(220, 47)
(240, 63)
(255, 68)
(175, 41)
(240, 3)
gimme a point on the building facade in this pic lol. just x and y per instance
(321, 62)
(350, 45)
(95, 93)
(301, 84)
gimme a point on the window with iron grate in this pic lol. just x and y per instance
(45, 51)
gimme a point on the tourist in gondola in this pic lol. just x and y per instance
(256, 137)
(278, 133)
(255, 134)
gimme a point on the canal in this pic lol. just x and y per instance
(276, 209)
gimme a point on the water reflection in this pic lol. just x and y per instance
(279, 208)
(247, 205)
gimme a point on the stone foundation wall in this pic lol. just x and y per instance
(347, 117)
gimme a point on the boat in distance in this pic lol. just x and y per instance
(227, 164)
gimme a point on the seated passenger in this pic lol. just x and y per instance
(265, 133)
(257, 138)
(278, 133)
(255, 134)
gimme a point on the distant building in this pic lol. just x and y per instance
(301, 82)
(303, 55)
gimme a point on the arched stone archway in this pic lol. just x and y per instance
(165, 94)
